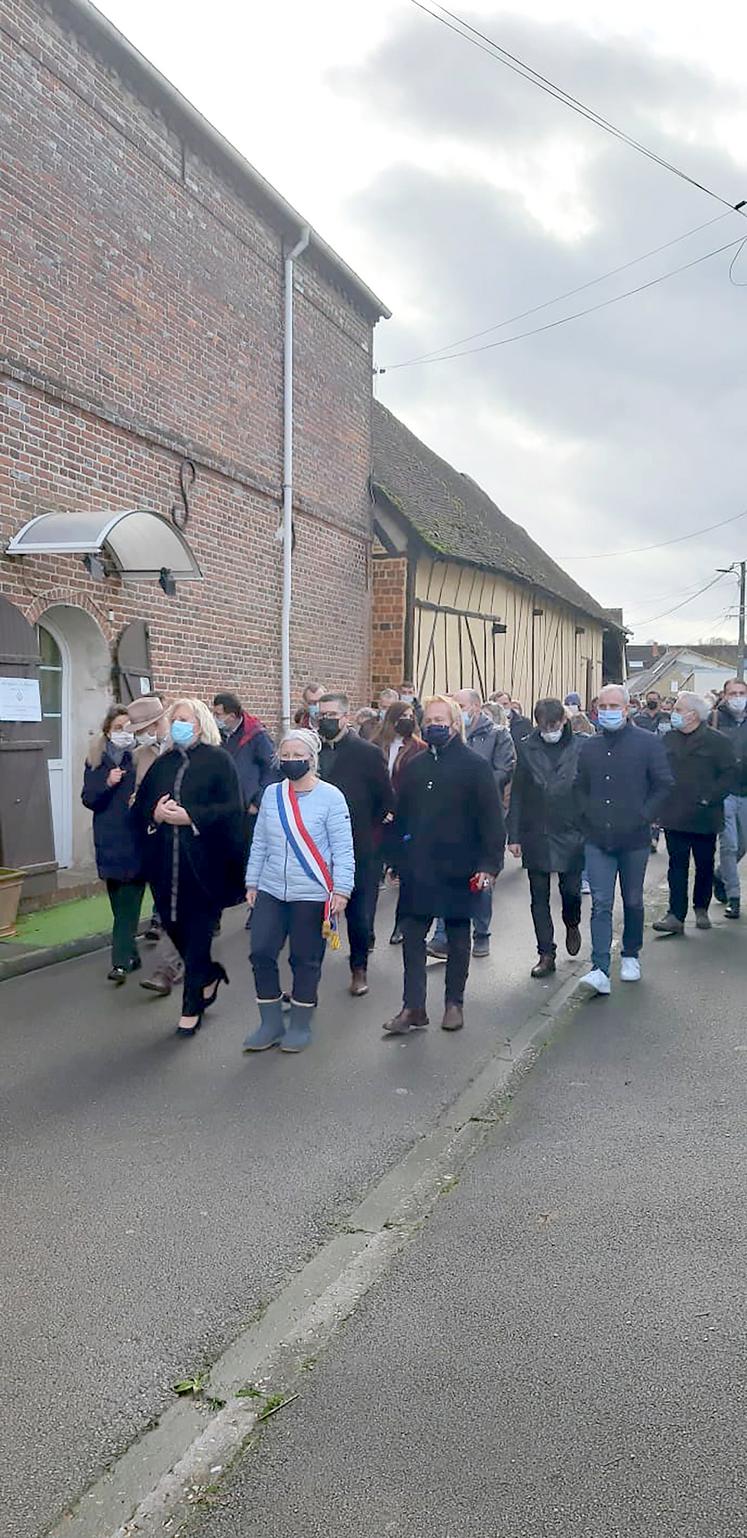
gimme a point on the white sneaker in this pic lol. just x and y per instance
(585, 889)
(597, 980)
(630, 969)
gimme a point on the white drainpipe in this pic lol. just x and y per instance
(288, 474)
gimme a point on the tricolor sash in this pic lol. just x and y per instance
(306, 851)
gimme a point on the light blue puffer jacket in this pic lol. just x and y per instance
(273, 867)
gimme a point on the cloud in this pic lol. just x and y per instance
(620, 428)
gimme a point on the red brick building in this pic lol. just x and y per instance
(141, 354)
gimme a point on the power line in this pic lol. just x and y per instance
(678, 592)
(559, 298)
(732, 265)
(591, 309)
(608, 555)
(518, 66)
(654, 617)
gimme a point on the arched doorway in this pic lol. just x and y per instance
(75, 687)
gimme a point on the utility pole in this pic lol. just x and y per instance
(741, 567)
(740, 643)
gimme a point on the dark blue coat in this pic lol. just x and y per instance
(115, 835)
(622, 782)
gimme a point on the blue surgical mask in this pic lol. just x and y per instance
(737, 703)
(437, 736)
(466, 717)
(611, 719)
(677, 719)
(313, 712)
(182, 734)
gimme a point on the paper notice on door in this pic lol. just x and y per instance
(20, 699)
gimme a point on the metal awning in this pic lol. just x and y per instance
(136, 542)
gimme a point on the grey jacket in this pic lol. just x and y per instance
(495, 746)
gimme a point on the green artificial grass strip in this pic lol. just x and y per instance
(66, 921)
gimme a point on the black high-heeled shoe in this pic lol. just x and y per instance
(222, 977)
(189, 1030)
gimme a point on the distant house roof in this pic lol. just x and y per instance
(146, 82)
(454, 517)
(680, 662)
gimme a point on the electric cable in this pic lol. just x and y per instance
(559, 298)
(552, 325)
(652, 619)
(518, 66)
(679, 539)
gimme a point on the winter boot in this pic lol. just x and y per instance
(271, 1029)
(298, 1034)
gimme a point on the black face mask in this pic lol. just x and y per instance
(437, 736)
(652, 704)
(294, 768)
(328, 727)
(406, 726)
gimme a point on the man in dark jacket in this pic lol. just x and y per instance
(496, 747)
(703, 764)
(250, 746)
(359, 770)
(651, 718)
(448, 843)
(731, 720)
(519, 725)
(622, 781)
(543, 830)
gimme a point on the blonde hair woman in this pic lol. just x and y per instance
(449, 839)
(190, 814)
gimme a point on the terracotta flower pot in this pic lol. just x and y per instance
(11, 883)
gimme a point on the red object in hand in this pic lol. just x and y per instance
(474, 884)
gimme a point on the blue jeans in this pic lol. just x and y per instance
(482, 917)
(733, 842)
(603, 867)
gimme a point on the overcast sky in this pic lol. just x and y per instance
(464, 196)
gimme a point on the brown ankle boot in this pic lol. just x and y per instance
(453, 1019)
(406, 1020)
(545, 967)
(358, 982)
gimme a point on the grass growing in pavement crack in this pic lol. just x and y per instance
(193, 1385)
(249, 1391)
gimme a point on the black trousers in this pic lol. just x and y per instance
(414, 931)
(126, 899)
(569, 882)
(273, 923)
(702, 847)
(192, 934)
(361, 909)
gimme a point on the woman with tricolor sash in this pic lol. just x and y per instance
(299, 877)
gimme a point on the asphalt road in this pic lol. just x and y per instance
(156, 1191)
(560, 1351)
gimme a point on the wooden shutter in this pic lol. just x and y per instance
(133, 668)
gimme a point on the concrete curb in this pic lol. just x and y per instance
(157, 1483)
(49, 955)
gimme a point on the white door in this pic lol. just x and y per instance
(54, 686)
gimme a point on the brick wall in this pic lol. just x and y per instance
(388, 623)
(142, 322)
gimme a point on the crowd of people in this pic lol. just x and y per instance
(199, 805)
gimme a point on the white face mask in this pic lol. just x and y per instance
(146, 739)
(122, 739)
(552, 736)
(737, 703)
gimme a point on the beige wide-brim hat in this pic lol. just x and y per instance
(145, 712)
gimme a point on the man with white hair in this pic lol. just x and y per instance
(623, 778)
(703, 764)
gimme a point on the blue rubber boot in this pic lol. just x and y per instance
(271, 1029)
(298, 1034)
